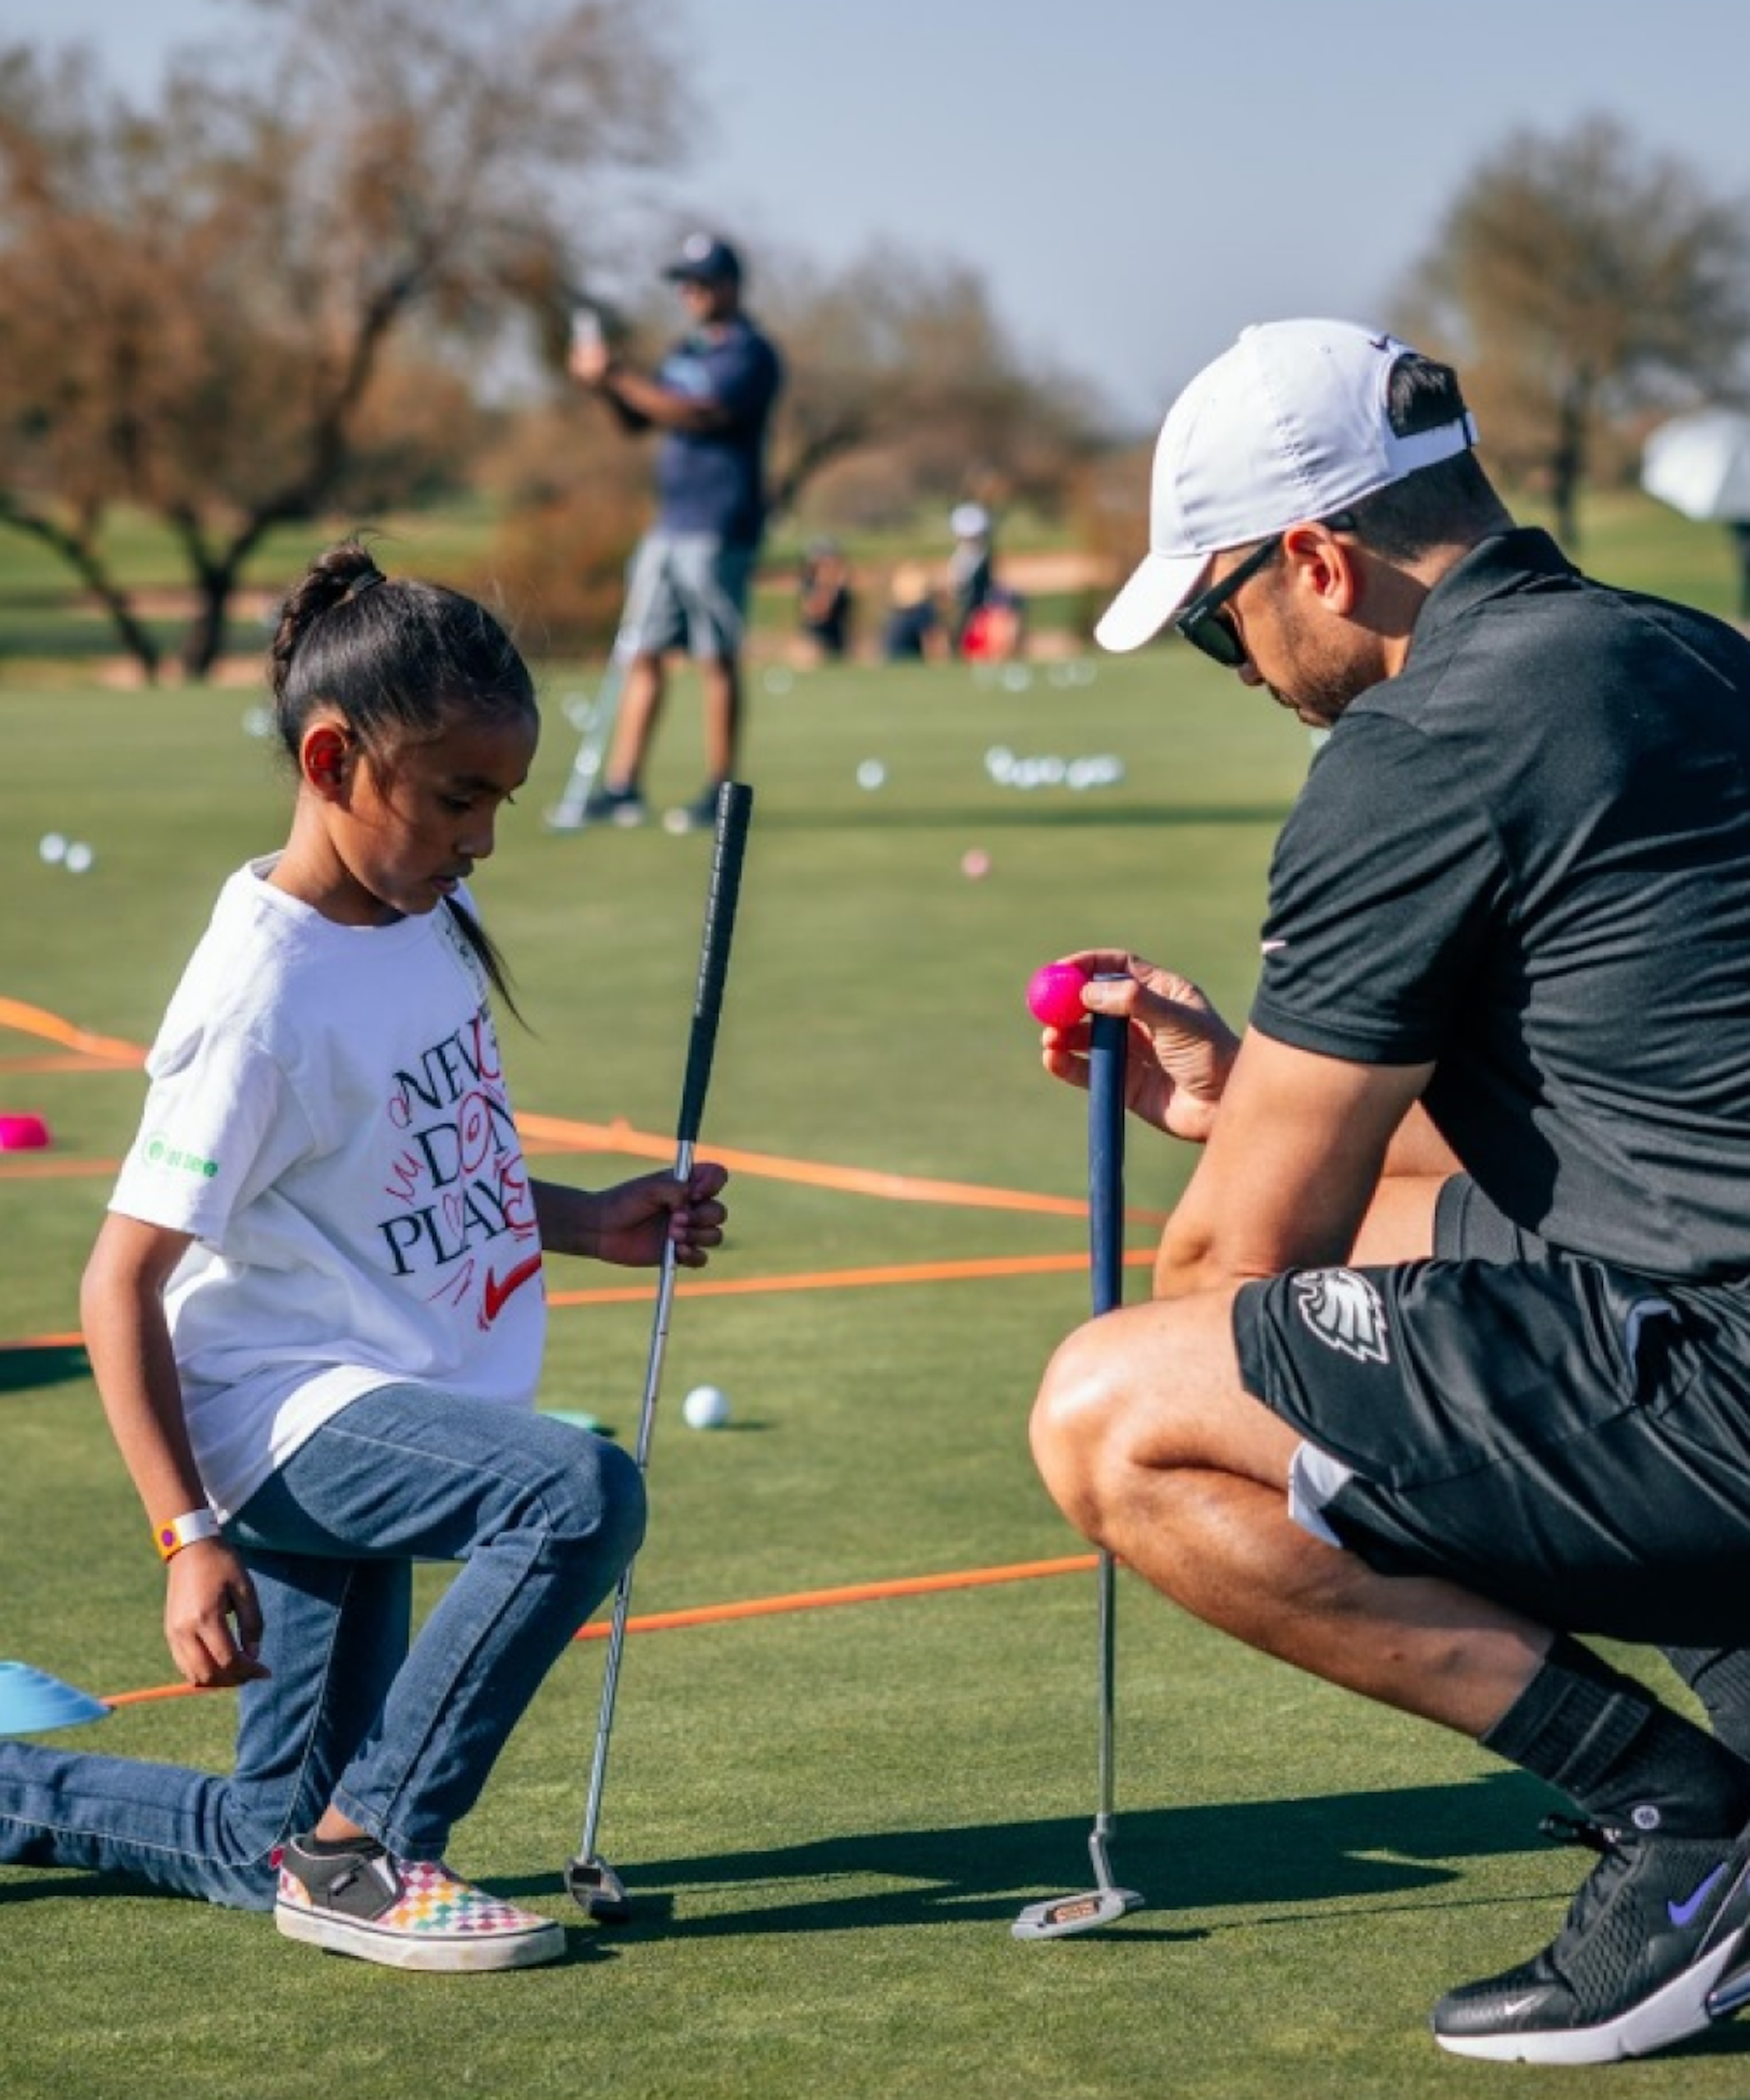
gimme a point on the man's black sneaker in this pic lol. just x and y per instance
(624, 806)
(700, 814)
(1656, 1932)
(405, 1913)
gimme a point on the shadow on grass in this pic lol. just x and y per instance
(1385, 1844)
(57, 1363)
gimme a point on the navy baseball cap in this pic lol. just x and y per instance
(704, 259)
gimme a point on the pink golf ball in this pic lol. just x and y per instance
(1055, 995)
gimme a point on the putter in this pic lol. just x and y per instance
(568, 814)
(1059, 1917)
(592, 1883)
(31, 1701)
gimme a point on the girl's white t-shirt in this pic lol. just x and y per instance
(328, 1117)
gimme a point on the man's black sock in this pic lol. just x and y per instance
(1720, 1679)
(1623, 1758)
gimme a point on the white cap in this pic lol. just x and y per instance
(1288, 426)
(969, 521)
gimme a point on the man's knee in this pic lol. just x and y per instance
(1076, 1421)
(1139, 1393)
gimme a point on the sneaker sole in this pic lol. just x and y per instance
(1675, 2011)
(458, 1953)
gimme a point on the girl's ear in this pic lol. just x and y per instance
(324, 759)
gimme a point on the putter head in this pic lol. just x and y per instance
(1061, 1916)
(598, 1891)
(560, 818)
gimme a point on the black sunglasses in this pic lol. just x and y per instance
(1206, 626)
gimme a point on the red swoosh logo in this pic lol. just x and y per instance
(492, 1298)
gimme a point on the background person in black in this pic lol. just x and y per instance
(1504, 1021)
(825, 601)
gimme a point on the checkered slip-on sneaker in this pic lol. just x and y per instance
(406, 1913)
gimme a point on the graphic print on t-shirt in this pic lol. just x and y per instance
(464, 1213)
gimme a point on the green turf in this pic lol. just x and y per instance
(828, 1819)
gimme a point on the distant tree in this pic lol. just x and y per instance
(1577, 279)
(208, 309)
(905, 357)
(571, 497)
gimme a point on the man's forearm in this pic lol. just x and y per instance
(632, 396)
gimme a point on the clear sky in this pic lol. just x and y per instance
(1135, 179)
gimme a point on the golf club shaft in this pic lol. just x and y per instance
(1090, 1910)
(734, 813)
(616, 1641)
(568, 814)
(1106, 1204)
(623, 1589)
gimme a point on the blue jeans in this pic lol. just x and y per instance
(542, 1517)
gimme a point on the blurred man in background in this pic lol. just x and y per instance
(711, 399)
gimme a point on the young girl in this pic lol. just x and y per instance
(315, 1313)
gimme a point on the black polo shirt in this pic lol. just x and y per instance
(1527, 858)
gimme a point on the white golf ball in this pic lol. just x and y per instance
(79, 858)
(705, 1407)
(871, 774)
(52, 847)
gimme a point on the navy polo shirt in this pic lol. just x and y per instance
(1527, 858)
(714, 481)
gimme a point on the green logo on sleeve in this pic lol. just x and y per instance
(160, 1151)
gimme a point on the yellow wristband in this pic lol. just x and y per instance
(182, 1531)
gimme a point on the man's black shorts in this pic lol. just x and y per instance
(1566, 1438)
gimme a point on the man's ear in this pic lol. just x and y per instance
(1325, 564)
(325, 759)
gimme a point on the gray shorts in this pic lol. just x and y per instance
(688, 590)
(1568, 1439)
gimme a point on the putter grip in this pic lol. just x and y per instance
(734, 814)
(1105, 1158)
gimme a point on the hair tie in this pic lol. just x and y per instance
(369, 581)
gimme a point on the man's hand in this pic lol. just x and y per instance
(588, 359)
(1180, 1050)
(212, 1619)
